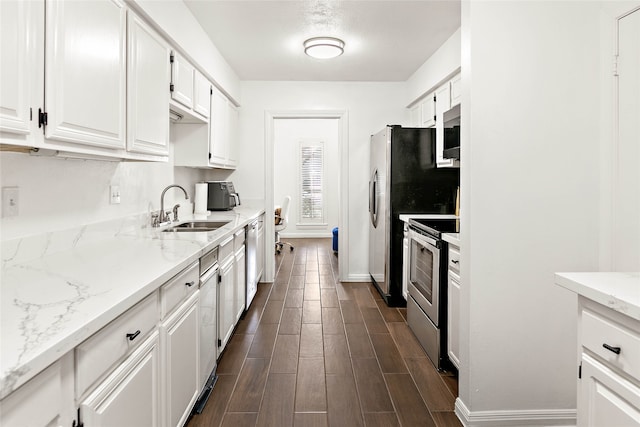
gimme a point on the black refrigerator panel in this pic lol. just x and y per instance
(416, 186)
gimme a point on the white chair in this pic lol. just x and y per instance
(281, 223)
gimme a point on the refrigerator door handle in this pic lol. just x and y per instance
(374, 199)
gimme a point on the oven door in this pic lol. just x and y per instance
(424, 273)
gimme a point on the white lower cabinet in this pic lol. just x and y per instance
(609, 352)
(453, 306)
(241, 283)
(226, 294)
(130, 395)
(46, 400)
(180, 371)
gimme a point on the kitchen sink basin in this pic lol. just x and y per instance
(197, 226)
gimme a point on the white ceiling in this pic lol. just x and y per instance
(385, 40)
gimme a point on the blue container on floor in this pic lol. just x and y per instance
(335, 239)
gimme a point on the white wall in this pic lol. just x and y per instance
(530, 196)
(440, 66)
(370, 107)
(288, 133)
(56, 193)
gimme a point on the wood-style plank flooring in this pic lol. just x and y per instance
(312, 351)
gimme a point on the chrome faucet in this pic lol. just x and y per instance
(163, 216)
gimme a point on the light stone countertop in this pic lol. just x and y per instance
(453, 238)
(618, 291)
(59, 289)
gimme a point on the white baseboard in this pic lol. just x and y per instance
(358, 278)
(307, 235)
(513, 418)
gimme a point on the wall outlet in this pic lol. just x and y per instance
(10, 201)
(114, 194)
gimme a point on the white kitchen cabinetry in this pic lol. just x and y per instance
(453, 306)
(241, 273)
(405, 261)
(180, 348)
(428, 111)
(201, 95)
(226, 293)
(182, 79)
(223, 131)
(130, 395)
(22, 66)
(456, 90)
(46, 400)
(444, 104)
(260, 246)
(147, 100)
(85, 74)
(609, 352)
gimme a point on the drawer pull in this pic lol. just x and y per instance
(190, 284)
(455, 261)
(616, 350)
(133, 335)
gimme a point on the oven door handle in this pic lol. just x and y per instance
(421, 238)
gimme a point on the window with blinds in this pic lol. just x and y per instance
(311, 182)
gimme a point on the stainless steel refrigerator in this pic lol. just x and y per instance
(403, 180)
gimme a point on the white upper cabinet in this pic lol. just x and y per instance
(148, 99)
(427, 111)
(223, 131)
(201, 94)
(182, 75)
(85, 72)
(21, 44)
(456, 90)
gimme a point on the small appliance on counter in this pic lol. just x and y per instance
(221, 196)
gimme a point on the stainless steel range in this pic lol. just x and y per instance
(427, 284)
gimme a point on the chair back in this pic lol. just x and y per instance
(284, 212)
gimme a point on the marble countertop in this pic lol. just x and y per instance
(453, 238)
(618, 291)
(59, 289)
(407, 217)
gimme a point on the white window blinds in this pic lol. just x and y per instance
(311, 182)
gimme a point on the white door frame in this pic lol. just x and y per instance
(343, 183)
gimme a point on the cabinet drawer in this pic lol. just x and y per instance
(96, 355)
(598, 331)
(454, 259)
(178, 289)
(238, 239)
(225, 250)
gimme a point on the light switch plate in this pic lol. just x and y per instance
(114, 194)
(10, 201)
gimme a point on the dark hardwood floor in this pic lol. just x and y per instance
(312, 351)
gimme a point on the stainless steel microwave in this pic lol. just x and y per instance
(451, 126)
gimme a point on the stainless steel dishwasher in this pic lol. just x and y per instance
(209, 273)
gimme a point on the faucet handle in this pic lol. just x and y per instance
(155, 219)
(175, 213)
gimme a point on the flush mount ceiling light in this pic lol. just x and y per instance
(323, 47)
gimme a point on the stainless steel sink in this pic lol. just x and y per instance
(194, 226)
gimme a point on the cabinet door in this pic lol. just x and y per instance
(453, 319)
(86, 72)
(226, 294)
(241, 283)
(202, 95)
(180, 338)
(148, 100)
(22, 67)
(218, 129)
(182, 75)
(405, 262)
(605, 398)
(443, 99)
(130, 396)
(260, 250)
(428, 112)
(51, 392)
(232, 135)
(456, 91)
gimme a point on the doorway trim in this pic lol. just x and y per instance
(343, 179)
